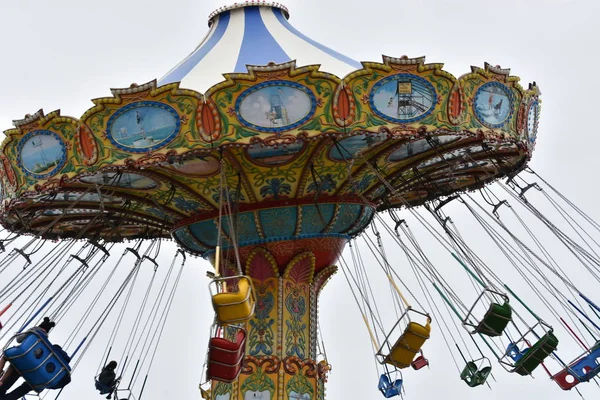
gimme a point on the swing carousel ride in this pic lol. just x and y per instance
(267, 153)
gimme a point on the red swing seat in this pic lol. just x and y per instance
(225, 357)
(419, 362)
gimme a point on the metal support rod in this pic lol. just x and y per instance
(143, 386)
(460, 318)
(217, 259)
(35, 315)
(584, 314)
(5, 309)
(522, 303)
(587, 329)
(404, 300)
(78, 347)
(585, 346)
(370, 331)
(133, 375)
(590, 302)
(468, 270)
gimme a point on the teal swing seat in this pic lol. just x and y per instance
(473, 375)
(495, 320)
(531, 358)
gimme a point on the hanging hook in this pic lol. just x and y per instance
(497, 206)
(81, 260)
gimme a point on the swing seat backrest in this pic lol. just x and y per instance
(225, 357)
(408, 345)
(512, 350)
(566, 379)
(545, 346)
(581, 370)
(38, 362)
(232, 307)
(474, 377)
(495, 320)
(226, 351)
(587, 367)
(389, 388)
(104, 389)
(419, 363)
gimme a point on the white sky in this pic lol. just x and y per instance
(63, 53)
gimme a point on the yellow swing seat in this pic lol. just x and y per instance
(233, 307)
(408, 345)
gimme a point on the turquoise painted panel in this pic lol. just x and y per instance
(245, 226)
(205, 232)
(347, 217)
(312, 222)
(277, 222)
(365, 219)
(186, 239)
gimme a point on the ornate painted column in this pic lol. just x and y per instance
(288, 248)
(282, 360)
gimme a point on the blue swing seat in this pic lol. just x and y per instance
(40, 363)
(389, 389)
(583, 369)
(513, 351)
(589, 366)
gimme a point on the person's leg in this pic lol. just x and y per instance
(18, 392)
(10, 371)
(8, 382)
(2, 362)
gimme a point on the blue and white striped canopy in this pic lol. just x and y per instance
(251, 34)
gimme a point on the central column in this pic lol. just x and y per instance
(282, 360)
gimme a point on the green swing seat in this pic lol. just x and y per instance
(534, 356)
(473, 376)
(495, 320)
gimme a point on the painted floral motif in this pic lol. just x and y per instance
(258, 386)
(261, 327)
(275, 187)
(295, 336)
(222, 391)
(326, 184)
(233, 195)
(186, 205)
(299, 388)
(160, 214)
(362, 184)
(278, 221)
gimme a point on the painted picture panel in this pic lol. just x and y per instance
(403, 98)
(123, 180)
(143, 126)
(275, 155)
(197, 166)
(275, 106)
(76, 197)
(451, 156)
(41, 153)
(420, 146)
(533, 116)
(493, 104)
(349, 147)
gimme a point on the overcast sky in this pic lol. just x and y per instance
(61, 54)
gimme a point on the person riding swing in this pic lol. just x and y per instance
(107, 381)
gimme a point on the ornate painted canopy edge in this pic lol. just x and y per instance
(153, 153)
